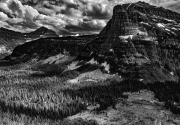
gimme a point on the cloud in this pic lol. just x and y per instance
(3, 16)
(173, 5)
(83, 26)
(65, 16)
(98, 11)
(30, 13)
(69, 1)
(74, 13)
(4, 8)
(25, 17)
(75, 18)
(16, 8)
(21, 11)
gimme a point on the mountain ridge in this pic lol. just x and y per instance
(9, 39)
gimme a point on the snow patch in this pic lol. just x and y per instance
(170, 20)
(92, 61)
(77, 35)
(73, 81)
(91, 53)
(3, 50)
(160, 25)
(111, 50)
(174, 28)
(168, 30)
(53, 59)
(30, 39)
(91, 80)
(141, 80)
(73, 66)
(106, 66)
(156, 42)
(126, 37)
(172, 73)
(145, 23)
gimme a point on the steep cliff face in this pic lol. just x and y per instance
(10, 39)
(140, 41)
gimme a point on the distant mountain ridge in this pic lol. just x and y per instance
(9, 39)
(44, 48)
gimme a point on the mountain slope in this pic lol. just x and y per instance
(10, 39)
(140, 41)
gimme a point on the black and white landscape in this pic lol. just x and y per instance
(86, 62)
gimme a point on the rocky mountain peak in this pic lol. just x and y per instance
(128, 19)
(139, 41)
(45, 32)
(42, 29)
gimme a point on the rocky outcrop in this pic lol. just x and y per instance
(140, 41)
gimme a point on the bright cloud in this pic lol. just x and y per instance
(3, 16)
(30, 13)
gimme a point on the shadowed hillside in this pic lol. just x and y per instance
(10, 39)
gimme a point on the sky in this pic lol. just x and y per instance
(65, 17)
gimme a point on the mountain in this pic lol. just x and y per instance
(43, 32)
(10, 39)
(141, 41)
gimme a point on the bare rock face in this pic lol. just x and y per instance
(141, 41)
